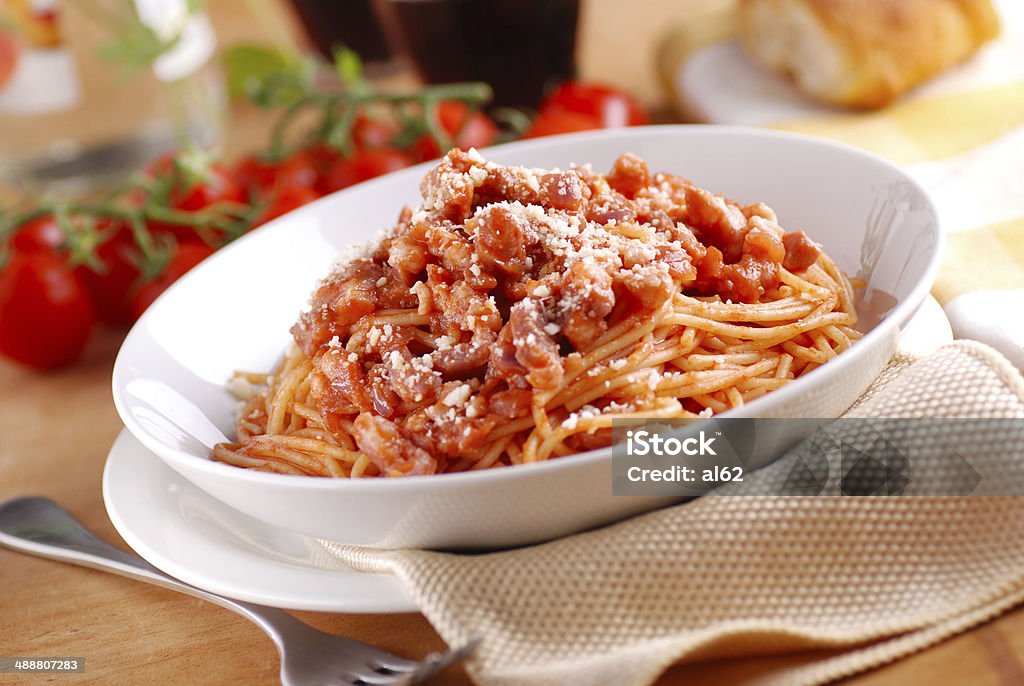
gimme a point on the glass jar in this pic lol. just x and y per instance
(91, 90)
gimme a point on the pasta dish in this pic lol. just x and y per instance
(517, 312)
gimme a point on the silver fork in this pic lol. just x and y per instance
(41, 527)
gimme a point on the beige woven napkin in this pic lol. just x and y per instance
(863, 580)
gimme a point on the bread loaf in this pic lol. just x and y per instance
(863, 53)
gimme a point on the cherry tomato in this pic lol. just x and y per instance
(300, 169)
(364, 165)
(554, 121)
(45, 311)
(39, 235)
(476, 132)
(287, 199)
(255, 174)
(8, 56)
(186, 256)
(323, 155)
(372, 132)
(111, 288)
(219, 186)
(610, 106)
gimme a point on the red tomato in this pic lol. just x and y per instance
(364, 165)
(372, 132)
(39, 235)
(45, 311)
(8, 56)
(186, 256)
(220, 186)
(476, 132)
(610, 106)
(254, 174)
(323, 155)
(108, 288)
(554, 121)
(301, 169)
(287, 199)
(111, 289)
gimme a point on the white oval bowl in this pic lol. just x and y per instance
(235, 309)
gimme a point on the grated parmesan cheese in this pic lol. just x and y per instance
(478, 174)
(458, 396)
(373, 338)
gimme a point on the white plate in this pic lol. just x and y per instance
(720, 84)
(234, 312)
(196, 538)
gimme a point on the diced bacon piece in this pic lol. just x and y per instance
(762, 244)
(408, 256)
(501, 240)
(512, 403)
(536, 350)
(715, 221)
(392, 453)
(564, 190)
(462, 359)
(629, 175)
(650, 285)
(587, 298)
(448, 188)
(412, 379)
(801, 251)
(337, 304)
(344, 384)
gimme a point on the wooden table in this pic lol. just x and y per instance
(55, 431)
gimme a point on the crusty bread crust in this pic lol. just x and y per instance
(863, 53)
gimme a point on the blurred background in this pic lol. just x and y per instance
(139, 136)
(88, 88)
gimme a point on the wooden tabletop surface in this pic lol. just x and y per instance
(56, 429)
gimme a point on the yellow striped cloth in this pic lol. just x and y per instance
(961, 136)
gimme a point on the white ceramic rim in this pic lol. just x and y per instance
(895, 319)
(307, 586)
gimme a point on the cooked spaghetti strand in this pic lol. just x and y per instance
(517, 313)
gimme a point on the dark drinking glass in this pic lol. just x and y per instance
(349, 22)
(519, 47)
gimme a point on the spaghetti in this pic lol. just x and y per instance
(518, 312)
